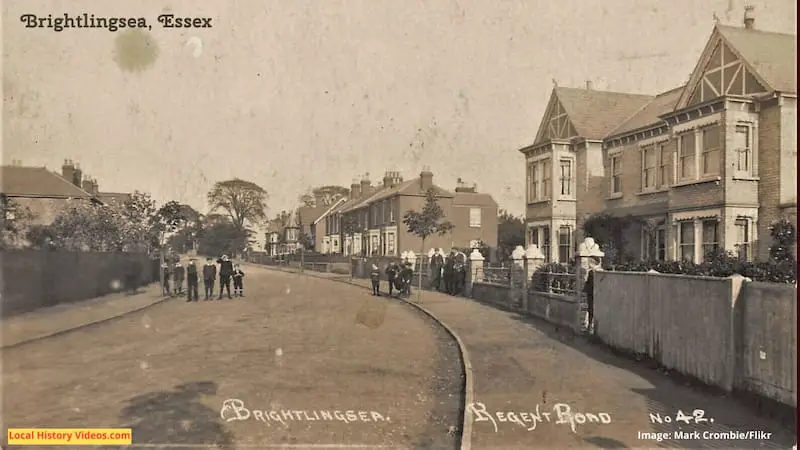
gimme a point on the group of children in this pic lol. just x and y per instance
(227, 272)
(397, 277)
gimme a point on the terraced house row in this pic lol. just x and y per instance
(711, 164)
(370, 221)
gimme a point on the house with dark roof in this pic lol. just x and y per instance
(561, 161)
(708, 165)
(46, 193)
(370, 221)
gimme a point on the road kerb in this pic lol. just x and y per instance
(469, 394)
(84, 325)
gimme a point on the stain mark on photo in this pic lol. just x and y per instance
(135, 50)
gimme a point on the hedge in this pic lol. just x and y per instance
(720, 264)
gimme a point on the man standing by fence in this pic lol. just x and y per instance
(588, 289)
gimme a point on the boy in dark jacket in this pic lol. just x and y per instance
(178, 274)
(191, 281)
(406, 274)
(391, 275)
(225, 274)
(209, 276)
(375, 277)
(238, 281)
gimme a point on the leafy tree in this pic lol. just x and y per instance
(17, 221)
(222, 237)
(137, 215)
(243, 201)
(428, 222)
(83, 226)
(306, 241)
(328, 194)
(174, 218)
(609, 232)
(510, 233)
(784, 238)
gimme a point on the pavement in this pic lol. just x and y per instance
(298, 362)
(54, 320)
(538, 386)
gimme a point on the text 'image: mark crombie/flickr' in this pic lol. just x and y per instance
(277, 224)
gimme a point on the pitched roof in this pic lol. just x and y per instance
(595, 113)
(309, 214)
(330, 209)
(410, 187)
(473, 199)
(649, 113)
(772, 55)
(22, 181)
(118, 198)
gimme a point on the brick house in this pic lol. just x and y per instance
(47, 193)
(562, 164)
(374, 216)
(309, 219)
(708, 165)
(322, 241)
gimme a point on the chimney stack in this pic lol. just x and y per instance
(461, 186)
(425, 179)
(749, 20)
(355, 189)
(77, 176)
(86, 185)
(318, 199)
(366, 185)
(68, 170)
(95, 187)
(588, 85)
(387, 179)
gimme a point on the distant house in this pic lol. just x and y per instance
(307, 217)
(322, 241)
(370, 222)
(46, 193)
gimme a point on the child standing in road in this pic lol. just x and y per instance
(238, 281)
(165, 276)
(191, 281)
(375, 276)
(209, 276)
(177, 275)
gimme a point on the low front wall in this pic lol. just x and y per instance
(35, 279)
(559, 309)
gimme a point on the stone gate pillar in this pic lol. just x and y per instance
(475, 272)
(534, 258)
(517, 277)
(589, 257)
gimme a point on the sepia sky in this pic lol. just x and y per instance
(290, 94)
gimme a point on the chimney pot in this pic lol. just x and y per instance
(749, 20)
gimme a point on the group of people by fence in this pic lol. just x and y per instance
(178, 273)
(448, 274)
